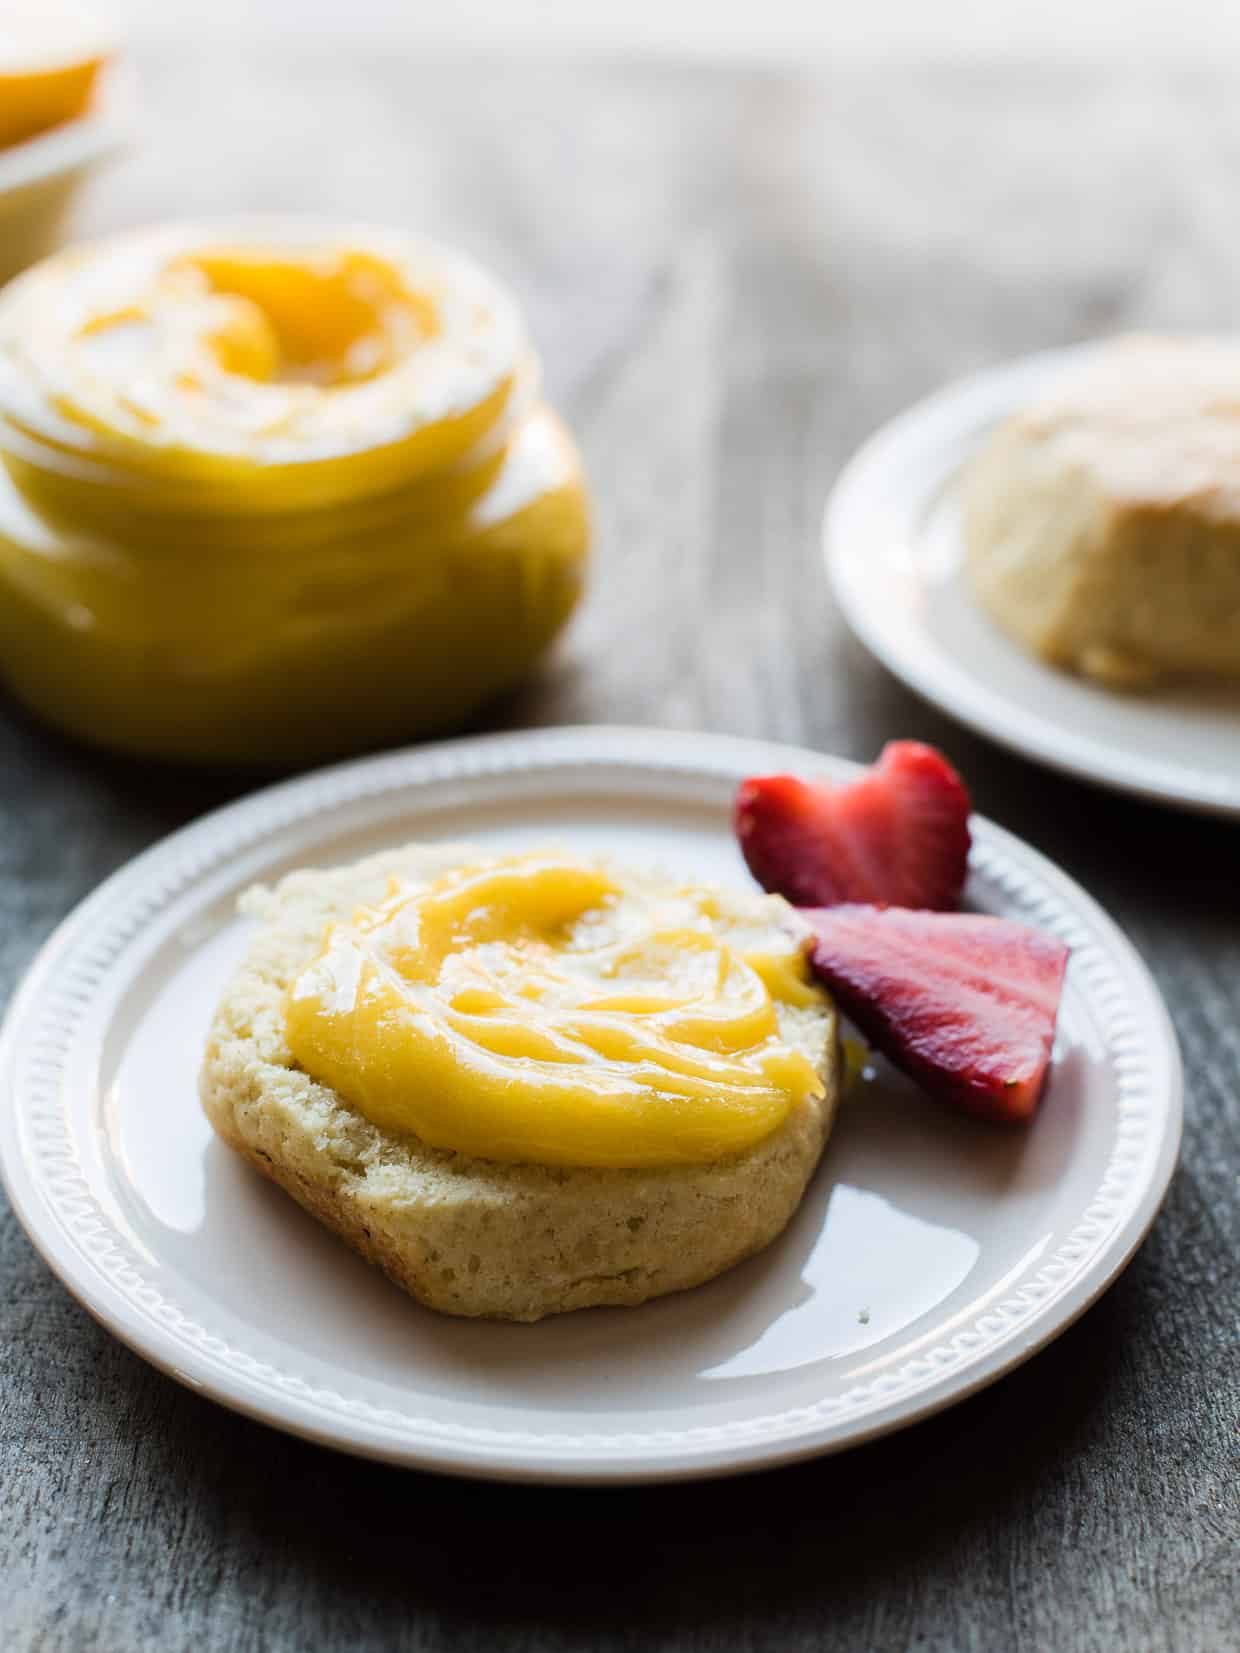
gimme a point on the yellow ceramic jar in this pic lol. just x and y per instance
(273, 492)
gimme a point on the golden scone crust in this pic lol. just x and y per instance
(470, 1236)
(1102, 524)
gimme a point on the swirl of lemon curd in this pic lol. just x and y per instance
(540, 1009)
(261, 364)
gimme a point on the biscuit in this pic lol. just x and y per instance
(1102, 524)
(476, 1237)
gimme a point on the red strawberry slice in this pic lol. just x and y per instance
(966, 1005)
(898, 836)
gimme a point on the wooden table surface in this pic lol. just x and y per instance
(734, 277)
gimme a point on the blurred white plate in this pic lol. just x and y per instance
(895, 560)
(930, 1256)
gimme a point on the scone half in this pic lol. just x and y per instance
(1101, 524)
(464, 1235)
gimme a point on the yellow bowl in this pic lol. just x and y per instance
(40, 176)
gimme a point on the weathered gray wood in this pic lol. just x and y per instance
(734, 278)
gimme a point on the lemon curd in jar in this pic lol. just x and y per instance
(274, 492)
(544, 1009)
(51, 54)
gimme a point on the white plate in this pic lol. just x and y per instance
(931, 1254)
(894, 556)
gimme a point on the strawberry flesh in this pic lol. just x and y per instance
(897, 836)
(964, 1004)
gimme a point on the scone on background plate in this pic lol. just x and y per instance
(473, 1236)
(1102, 523)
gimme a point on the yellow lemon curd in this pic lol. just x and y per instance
(538, 1008)
(274, 491)
(50, 57)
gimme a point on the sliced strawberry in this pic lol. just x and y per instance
(966, 1005)
(898, 836)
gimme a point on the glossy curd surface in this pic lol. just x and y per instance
(273, 491)
(539, 1008)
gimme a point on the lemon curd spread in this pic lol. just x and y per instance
(51, 54)
(538, 1008)
(274, 490)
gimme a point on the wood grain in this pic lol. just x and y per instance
(734, 278)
